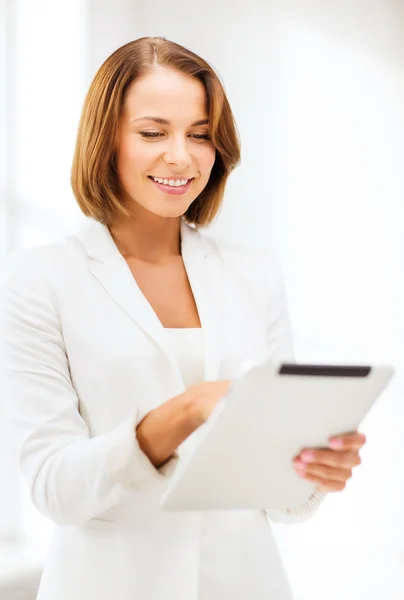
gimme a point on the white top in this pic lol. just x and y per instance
(189, 349)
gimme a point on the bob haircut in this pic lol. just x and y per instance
(94, 178)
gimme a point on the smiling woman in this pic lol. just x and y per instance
(120, 340)
(170, 121)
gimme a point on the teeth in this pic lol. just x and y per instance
(172, 182)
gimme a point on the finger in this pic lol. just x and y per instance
(326, 485)
(348, 441)
(330, 486)
(323, 473)
(332, 458)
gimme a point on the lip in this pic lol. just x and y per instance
(174, 178)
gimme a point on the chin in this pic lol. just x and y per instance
(170, 209)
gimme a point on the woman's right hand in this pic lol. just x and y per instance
(164, 428)
(204, 397)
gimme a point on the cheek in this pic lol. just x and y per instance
(134, 160)
(207, 159)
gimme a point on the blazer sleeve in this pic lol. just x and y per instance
(281, 348)
(72, 477)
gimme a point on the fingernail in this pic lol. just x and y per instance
(308, 456)
(336, 443)
(300, 466)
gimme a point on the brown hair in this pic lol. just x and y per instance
(94, 178)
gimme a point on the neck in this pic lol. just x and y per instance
(150, 238)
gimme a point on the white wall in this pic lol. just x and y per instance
(3, 122)
(47, 87)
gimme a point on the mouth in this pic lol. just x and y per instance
(172, 186)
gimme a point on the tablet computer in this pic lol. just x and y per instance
(242, 458)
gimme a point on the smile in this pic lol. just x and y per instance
(172, 186)
(170, 182)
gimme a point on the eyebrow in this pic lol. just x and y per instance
(161, 121)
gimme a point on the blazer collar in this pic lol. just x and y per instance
(203, 267)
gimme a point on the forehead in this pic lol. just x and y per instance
(168, 94)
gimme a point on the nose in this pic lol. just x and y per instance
(178, 155)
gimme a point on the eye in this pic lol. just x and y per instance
(204, 136)
(151, 134)
(158, 134)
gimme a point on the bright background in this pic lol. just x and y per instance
(317, 88)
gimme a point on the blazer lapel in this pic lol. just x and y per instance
(111, 270)
(203, 269)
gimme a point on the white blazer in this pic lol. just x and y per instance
(85, 358)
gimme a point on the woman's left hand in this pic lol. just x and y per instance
(331, 468)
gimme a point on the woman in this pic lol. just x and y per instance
(120, 340)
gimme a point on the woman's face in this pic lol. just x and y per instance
(164, 134)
